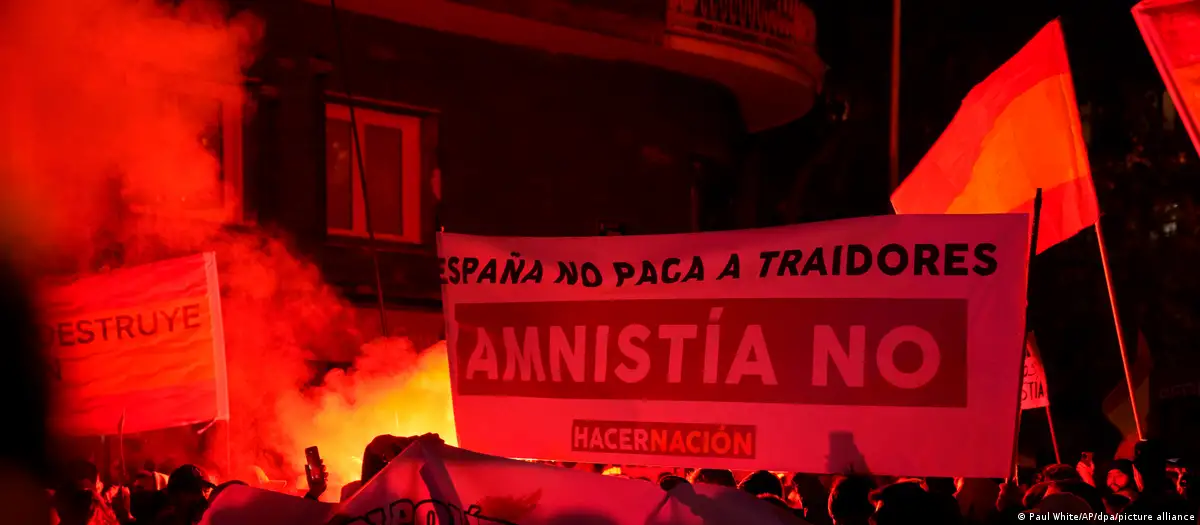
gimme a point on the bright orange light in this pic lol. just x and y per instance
(392, 389)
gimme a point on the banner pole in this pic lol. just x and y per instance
(229, 473)
(104, 462)
(894, 115)
(1112, 302)
(1033, 244)
(1053, 438)
(362, 168)
(121, 450)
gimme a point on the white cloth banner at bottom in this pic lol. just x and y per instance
(430, 484)
(242, 505)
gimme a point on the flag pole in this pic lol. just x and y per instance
(1053, 438)
(229, 473)
(1033, 244)
(121, 449)
(104, 462)
(1112, 302)
(894, 117)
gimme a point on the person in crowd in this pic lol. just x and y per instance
(945, 486)
(221, 488)
(1180, 477)
(1078, 488)
(774, 500)
(1156, 493)
(1115, 503)
(1056, 503)
(24, 459)
(807, 493)
(77, 499)
(668, 481)
(713, 476)
(79, 506)
(850, 501)
(762, 482)
(350, 489)
(1034, 496)
(941, 498)
(379, 452)
(976, 498)
(1120, 479)
(188, 489)
(147, 495)
(148, 481)
(1185, 480)
(907, 502)
(1060, 472)
(1175, 470)
(1010, 501)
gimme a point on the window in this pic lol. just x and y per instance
(391, 155)
(220, 200)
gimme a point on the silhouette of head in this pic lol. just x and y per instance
(669, 481)
(850, 500)
(1060, 472)
(714, 477)
(762, 482)
(903, 503)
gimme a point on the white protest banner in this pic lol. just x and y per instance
(430, 484)
(144, 345)
(1033, 389)
(442, 484)
(810, 348)
(242, 505)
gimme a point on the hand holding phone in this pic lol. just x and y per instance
(314, 472)
(1086, 468)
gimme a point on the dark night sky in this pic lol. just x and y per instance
(948, 47)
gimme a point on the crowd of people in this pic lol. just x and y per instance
(1148, 485)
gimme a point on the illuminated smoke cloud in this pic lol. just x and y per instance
(103, 106)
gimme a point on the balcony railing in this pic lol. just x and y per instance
(778, 27)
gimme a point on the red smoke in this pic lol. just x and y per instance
(104, 104)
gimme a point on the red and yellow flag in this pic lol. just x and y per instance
(1171, 29)
(1017, 131)
(142, 346)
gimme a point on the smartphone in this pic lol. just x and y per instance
(314, 467)
(1086, 458)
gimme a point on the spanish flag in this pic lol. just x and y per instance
(1171, 29)
(1017, 131)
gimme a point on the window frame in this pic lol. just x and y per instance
(232, 211)
(410, 171)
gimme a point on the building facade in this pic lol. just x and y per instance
(506, 117)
